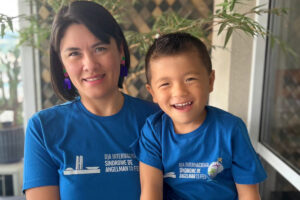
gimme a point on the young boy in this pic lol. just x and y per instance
(191, 150)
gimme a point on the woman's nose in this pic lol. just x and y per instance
(89, 62)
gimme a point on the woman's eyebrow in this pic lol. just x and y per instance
(76, 48)
(99, 43)
(71, 49)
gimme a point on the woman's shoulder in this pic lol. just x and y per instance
(141, 105)
(138, 101)
(57, 111)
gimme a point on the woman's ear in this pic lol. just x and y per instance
(122, 53)
(150, 90)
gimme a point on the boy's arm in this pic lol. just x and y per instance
(151, 182)
(248, 192)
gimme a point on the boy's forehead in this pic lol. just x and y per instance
(189, 54)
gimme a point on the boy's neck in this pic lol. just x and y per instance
(188, 127)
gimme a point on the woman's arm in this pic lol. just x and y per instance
(248, 192)
(45, 193)
(151, 182)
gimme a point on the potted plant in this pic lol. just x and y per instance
(11, 120)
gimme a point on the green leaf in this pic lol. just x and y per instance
(259, 6)
(2, 30)
(232, 5)
(228, 35)
(222, 28)
(10, 24)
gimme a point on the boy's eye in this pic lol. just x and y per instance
(190, 79)
(163, 85)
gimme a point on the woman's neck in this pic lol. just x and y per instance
(106, 106)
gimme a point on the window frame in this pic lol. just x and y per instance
(255, 104)
(30, 70)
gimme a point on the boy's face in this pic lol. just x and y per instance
(180, 84)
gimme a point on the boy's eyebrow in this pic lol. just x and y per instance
(161, 79)
(191, 73)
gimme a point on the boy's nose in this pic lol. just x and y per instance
(179, 90)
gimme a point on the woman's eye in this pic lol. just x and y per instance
(100, 49)
(75, 53)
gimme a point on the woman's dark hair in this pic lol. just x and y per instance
(99, 22)
(173, 44)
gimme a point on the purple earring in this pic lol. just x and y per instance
(67, 82)
(124, 70)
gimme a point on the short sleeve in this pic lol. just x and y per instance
(246, 166)
(148, 148)
(39, 168)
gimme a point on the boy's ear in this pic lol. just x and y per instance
(149, 88)
(211, 81)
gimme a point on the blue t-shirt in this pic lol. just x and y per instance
(87, 156)
(205, 163)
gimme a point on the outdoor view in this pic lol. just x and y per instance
(11, 111)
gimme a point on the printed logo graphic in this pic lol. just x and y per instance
(170, 175)
(79, 168)
(215, 168)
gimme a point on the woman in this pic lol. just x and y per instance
(81, 149)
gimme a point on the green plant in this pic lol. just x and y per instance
(225, 16)
(4, 22)
(228, 20)
(9, 82)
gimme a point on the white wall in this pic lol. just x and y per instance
(233, 67)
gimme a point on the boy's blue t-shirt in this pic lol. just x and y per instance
(203, 164)
(87, 156)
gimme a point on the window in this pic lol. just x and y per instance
(274, 111)
(11, 107)
(281, 102)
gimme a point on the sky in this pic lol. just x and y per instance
(9, 8)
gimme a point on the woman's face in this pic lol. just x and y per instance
(92, 65)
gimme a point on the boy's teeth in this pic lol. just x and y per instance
(182, 104)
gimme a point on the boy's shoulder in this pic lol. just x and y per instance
(157, 119)
(221, 116)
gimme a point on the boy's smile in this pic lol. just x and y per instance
(181, 84)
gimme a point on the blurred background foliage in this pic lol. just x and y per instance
(37, 33)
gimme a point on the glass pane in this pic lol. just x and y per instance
(11, 108)
(281, 103)
(276, 187)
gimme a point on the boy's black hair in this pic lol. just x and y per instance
(99, 22)
(176, 43)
